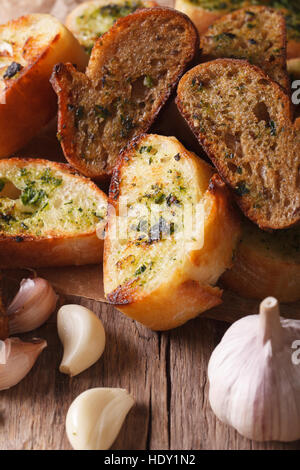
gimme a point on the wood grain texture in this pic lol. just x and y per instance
(165, 372)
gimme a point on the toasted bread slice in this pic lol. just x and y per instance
(29, 48)
(205, 12)
(171, 234)
(131, 73)
(48, 215)
(266, 264)
(90, 20)
(263, 45)
(244, 121)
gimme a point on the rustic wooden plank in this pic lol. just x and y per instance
(165, 372)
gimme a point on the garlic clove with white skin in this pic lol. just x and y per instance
(32, 306)
(83, 337)
(254, 382)
(17, 358)
(96, 416)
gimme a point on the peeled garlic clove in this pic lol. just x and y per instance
(83, 337)
(32, 306)
(254, 382)
(17, 358)
(96, 416)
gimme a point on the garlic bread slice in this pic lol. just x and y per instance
(171, 234)
(244, 121)
(90, 20)
(205, 12)
(266, 264)
(131, 73)
(263, 44)
(49, 215)
(29, 48)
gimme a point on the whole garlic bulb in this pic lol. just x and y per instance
(254, 381)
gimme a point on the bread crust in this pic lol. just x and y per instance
(190, 290)
(64, 75)
(210, 145)
(28, 101)
(259, 272)
(55, 249)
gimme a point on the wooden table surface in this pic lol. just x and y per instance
(165, 372)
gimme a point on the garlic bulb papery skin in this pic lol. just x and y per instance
(96, 416)
(254, 382)
(83, 337)
(17, 358)
(32, 306)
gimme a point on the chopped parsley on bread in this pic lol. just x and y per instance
(244, 121)
(264, 44)
(90, 20)
(29, 48)
(49, 215)
(171, 233)
(204, 12)
(132, 71)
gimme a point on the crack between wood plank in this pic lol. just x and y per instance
(169, 386)
(204, 391)
(149, 429)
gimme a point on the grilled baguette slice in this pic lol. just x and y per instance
(266, 264)
(48, 215)
(29, 48)
(205, 12)
(132, 71)
(263, 45)
(243, 120)
(90, 20)
(162, 261)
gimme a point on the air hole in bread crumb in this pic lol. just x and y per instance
(264, 82)
(261, 112)
(138, 90)
(156, 62)
(233, 143)
(232, 167)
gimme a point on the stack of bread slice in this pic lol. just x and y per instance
(244, 121)
(173, 227)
